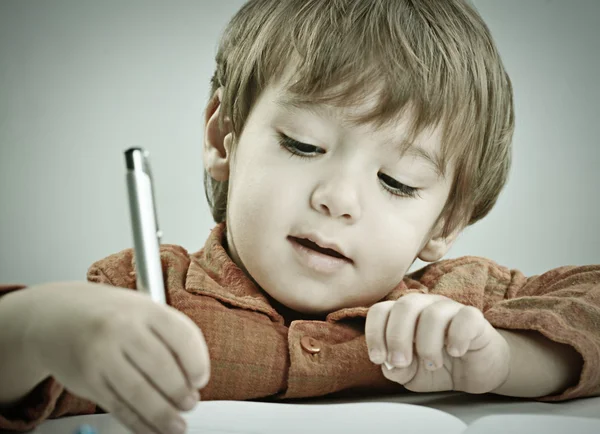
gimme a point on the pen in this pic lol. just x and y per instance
(144, 224)
(86, 429)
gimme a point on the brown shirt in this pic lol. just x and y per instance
(256, 352)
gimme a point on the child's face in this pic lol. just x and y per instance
(347, 192)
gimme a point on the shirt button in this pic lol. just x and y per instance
(310, 345)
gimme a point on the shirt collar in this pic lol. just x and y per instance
(213, 273)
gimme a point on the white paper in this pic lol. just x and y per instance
(354, 418)
(243, 417)
(534, 424)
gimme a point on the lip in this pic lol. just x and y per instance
(316, 260)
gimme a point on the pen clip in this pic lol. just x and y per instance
(148, 171)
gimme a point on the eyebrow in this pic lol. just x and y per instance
(433, 160)
(289, 103)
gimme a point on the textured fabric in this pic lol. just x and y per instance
(257, 353)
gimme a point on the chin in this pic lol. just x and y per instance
(303, 307)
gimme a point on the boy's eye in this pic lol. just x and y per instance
(304, 150)
(396, 188)
(298, 148)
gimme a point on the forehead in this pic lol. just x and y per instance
(338, 101)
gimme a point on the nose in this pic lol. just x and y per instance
(337, 197)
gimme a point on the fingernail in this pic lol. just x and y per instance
(454, 351)
(190, 401)
(377, 356)
(199, 383)
(388, 366)
(177, 426)
(399, 360)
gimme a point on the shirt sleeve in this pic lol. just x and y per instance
(7, 288)
(562, 304)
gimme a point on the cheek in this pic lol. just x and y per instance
(262, 189)
(396, 238)
(397, 245)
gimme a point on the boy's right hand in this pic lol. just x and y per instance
(140, 361)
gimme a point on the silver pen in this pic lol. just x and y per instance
(144, 224)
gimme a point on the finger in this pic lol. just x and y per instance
(159, 366)
(130, 387)
(375, 325)
(431, 332)
(401, 325)
(401, 375)
(185, 340)
(463, 331)
(125, 414)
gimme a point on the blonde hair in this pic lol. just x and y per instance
(434, 57)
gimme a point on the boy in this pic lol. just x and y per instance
(343, 140)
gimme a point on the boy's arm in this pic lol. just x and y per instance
(233, 376)
(27, 394)
(538, 366)
(553, 319)
(41, 397)
(550, 321)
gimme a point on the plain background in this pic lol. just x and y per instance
(82, 80)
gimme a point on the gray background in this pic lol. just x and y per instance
(80, 81)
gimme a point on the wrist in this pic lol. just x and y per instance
(506, 385)
(538, 366)
(505, 357)
(21, 368)
(32, 340)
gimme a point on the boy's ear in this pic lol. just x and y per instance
(217, 140)
(438, 246)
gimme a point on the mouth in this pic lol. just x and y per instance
(312, 245)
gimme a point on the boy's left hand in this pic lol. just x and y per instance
(432, 343)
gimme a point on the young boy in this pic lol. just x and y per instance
(344, 139)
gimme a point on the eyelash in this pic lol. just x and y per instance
(294, 146)
(389, 184)
(397, 189)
